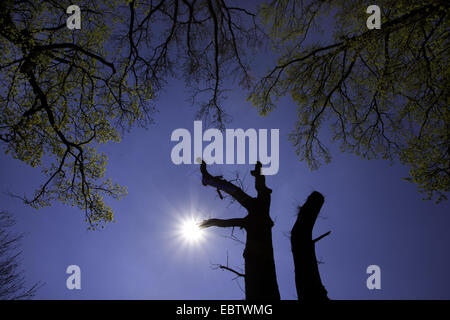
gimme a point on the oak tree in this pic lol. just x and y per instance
(384, 92)
(12, 281)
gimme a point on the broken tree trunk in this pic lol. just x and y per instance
(307, 277)
(260, 276)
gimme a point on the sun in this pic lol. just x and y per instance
(191, 231)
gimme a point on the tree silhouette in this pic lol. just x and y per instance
(260, 275)
(63, 93)
(12, 281)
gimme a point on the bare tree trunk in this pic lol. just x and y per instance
(260, 276)
(307, 277)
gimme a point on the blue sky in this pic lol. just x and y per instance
(375, 218)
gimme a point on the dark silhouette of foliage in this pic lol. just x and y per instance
(12, 281)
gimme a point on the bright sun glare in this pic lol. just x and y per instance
(191, 231)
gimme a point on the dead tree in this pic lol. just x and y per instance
(260, 276)
(307, 277)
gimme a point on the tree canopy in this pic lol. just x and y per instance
(384, 92)
(65, 92)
